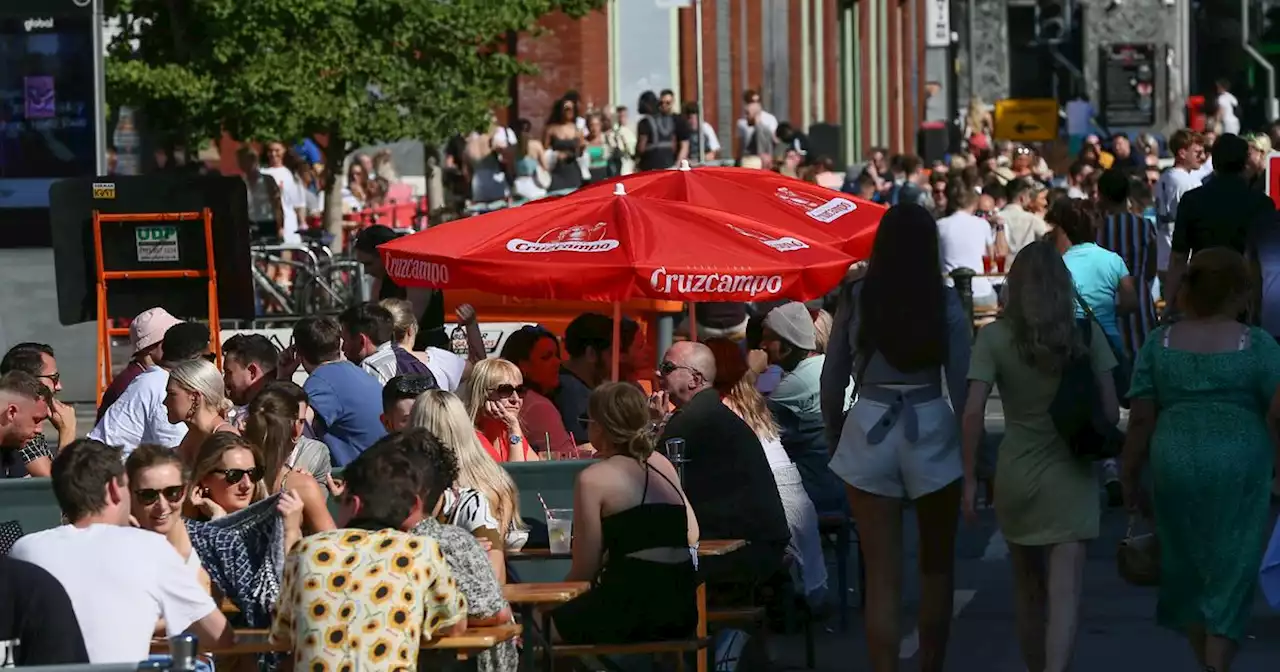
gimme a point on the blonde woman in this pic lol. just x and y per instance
(492, 393)
(197, 397)
(484, 500)
(1046, 499)
(447, 367)
(739, 393)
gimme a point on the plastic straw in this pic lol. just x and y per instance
(545, 509)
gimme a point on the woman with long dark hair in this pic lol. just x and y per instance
(562, 137)
(1046, 497)
(898, 331)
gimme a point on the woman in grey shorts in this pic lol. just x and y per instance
(897, 331)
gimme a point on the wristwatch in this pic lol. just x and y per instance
(515, 440)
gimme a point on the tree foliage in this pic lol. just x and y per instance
(363, 71)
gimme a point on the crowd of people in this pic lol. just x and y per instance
(199, 483)
(204, 485)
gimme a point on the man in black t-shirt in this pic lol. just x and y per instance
(1224, 212)
(431, 322)
(35, 610)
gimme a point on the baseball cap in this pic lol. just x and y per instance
(149, 327)
(792, 323)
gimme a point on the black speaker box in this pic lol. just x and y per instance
(151, 245)
(825, 140)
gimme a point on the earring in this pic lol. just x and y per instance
(191, 412)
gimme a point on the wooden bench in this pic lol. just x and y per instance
(675, 648)
(736, 616)
(464, 646)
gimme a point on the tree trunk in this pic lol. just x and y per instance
(333, 158)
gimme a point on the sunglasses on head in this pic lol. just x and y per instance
(234, 476)
(173, 494)
(507, 390)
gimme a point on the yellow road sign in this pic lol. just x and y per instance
(1027, 120)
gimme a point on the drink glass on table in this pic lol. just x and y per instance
(674, 450)
(560, 530)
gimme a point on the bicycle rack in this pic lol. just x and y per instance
(103, 276)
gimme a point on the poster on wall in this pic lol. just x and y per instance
(1127, 84)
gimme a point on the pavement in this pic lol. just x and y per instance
(1117, 629)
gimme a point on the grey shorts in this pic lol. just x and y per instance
(897, 466)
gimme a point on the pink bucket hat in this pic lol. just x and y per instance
(149, 326)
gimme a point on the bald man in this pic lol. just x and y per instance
(726, 477)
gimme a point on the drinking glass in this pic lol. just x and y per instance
(560, 530)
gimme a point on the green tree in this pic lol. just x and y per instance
(361, 71)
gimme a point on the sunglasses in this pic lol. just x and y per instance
(173, 494)
(585, 420)
(667, 368)
(234, 476)
(507, 390)
(210, 357)
(53, 377)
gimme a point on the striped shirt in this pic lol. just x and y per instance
(1134, 239)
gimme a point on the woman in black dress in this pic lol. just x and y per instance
(632, 533)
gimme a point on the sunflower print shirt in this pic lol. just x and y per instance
(364, 600)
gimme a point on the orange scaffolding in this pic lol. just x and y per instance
(105, 330)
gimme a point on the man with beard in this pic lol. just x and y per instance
(248, 363)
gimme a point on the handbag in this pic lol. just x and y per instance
(1076, 409)
(1138, 557)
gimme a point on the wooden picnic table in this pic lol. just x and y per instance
(514, 593)
(473, 641)
(706, 549)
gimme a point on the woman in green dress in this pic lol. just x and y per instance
(1046, 498)
(1204, 404)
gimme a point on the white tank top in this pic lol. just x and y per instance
(775, 453)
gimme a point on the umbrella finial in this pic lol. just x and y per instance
(684, 164)
(619, 190)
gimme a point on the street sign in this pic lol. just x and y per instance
(937, 20)
(1027, 120)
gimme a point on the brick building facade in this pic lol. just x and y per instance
(857, 65)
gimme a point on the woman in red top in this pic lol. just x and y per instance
(492, 394)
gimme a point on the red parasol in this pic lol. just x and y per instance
(608, 246)
(803, 208)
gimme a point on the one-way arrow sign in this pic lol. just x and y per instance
(1026, 119)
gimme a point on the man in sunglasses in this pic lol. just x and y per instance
(121, 580)
(726, 475)
(139, 415)
(37, 361)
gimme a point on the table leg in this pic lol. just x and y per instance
(702, 625)
(528, 662)
(546, 641)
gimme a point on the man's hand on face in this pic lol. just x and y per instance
(62, 417)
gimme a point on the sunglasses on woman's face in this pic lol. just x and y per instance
(148, 496)
(234, 476)
(504, 391)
